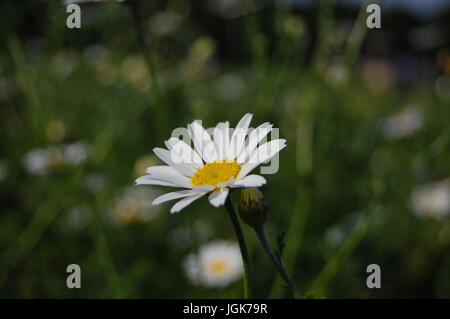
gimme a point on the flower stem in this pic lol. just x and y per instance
(242, 245)
(296, 292)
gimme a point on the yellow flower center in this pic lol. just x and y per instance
(215, 173)
(218, 267)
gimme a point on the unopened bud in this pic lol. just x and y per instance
(253, 207)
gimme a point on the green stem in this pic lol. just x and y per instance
(296, 292)
(242, 245)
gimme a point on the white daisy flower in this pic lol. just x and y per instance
(432, 200)
(217, 264)
(216, 164)
(134, 205)
(76, 152)
(403, 123)
(40, 161)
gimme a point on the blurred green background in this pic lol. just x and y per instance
(364, 179)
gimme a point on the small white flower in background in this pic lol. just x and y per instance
(36, 162)
(217, 264)
(135, 205)
(432, 200)
(404, 123)
(41, 161)
(76, 152)
(218, 163)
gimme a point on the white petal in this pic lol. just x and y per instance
(202, 142)
(185, 202)
(209, 152)
(253, 139)
(185, 169)
(221, 138)
(250, 181)
(226, 183)
(171, 196)
(237, 142)
(168, 174)
(218, 198)
(262, 154)
(183, 153)
(147, 180)
(203, 188)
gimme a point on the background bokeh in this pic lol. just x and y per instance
(364, 179)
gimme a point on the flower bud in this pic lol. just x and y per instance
(253, 207)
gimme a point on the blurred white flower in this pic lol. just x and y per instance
(76, 152)
(217, 264)
(404, 123)
(135, 205)
(40, 161)
(432, 200)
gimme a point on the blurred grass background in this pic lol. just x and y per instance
(365, 114)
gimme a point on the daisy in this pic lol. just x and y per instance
(134, 205)
(403, 123)
(216, 164)
(432, 200)
(217, 264)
